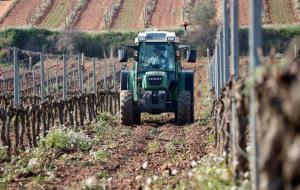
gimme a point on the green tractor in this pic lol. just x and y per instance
(157, 83)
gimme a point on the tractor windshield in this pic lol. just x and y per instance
(156, 57)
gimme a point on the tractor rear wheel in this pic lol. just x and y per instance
(137, 117)
(126, 107)
(184, 112)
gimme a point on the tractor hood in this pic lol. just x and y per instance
(155, 80)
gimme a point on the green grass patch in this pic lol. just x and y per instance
(211, 138)
(106, 128)
(3, 153)
(212, 173)
(103, 174)
(102, 156)
(178, 141)
(59, 138)
(155, 131)
(153, 147)
(171, 149)
(204, 118)
(205, 104)
(38, 180)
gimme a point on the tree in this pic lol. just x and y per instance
(203, 25)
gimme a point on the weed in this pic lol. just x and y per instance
(106, 127)
(3, 153)
(62, 138)
(171, 149)
(127, 132)
(38, 180)
(178, 141)
(154, 131)
(153, 147)
(206, 105)
(104, 131)
(103, 174)
(3, 185)
(211, 173)
(12, 170)
(102, 156)
(204, 118)
(108, 119)
(211, 138)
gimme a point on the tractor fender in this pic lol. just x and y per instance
(124, 80)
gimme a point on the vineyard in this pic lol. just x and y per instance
(61, 110)
(122, 15)
(94, 15)
(79, 109)
(38, 105)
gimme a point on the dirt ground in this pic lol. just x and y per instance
(91, 18)
(167, 14)
(4, 6)
(129, 155)
(20, 13)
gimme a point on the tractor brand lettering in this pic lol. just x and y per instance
(155, 79)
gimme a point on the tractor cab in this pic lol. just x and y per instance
(157, 82)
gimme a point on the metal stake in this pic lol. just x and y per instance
(94, 76)
(42, 77)
(33, 80)
(254, 44)
(235, 37)
(16, 79)
(79, 73)
(105, 82)
(225, 43)
(65, 77)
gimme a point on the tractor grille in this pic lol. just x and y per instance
(155, 80)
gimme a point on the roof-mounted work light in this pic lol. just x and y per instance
(142, 38)
(171, 38)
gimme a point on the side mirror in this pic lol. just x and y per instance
(122, 55)
(191, 56)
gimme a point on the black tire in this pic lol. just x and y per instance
(192, 110)
(137, 117)
(126, 111)
(184, 111)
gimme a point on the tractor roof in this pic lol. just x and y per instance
(157, 36)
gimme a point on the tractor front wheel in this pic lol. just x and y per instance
(184, 113)
(126, 107)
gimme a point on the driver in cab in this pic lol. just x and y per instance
(159, 60)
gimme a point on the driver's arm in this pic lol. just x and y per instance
(165, 63)
(153, 61)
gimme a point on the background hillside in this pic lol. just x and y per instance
(99, 15)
